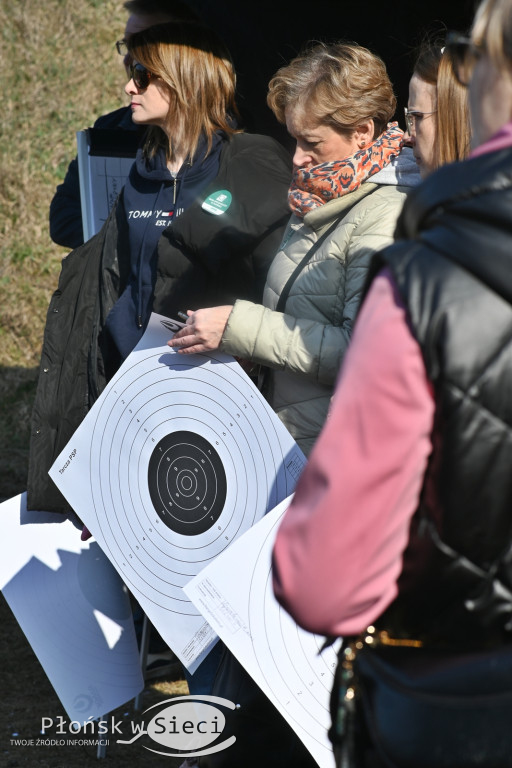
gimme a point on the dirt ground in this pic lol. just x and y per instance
(26, 696)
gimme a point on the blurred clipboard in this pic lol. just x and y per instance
(104, 161)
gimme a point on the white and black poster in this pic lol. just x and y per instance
(179, 456)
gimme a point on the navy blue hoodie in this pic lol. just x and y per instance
(153, 197)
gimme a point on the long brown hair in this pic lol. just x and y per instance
(197, 69)
(453, 133)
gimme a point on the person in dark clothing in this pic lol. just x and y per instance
(190, 259)
(188, 129)
(402, 519)
(65, 217)
(198, 222)
(153, 197)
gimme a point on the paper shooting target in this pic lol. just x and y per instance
(297, 673)
(184, 456)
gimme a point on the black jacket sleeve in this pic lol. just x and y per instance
(66, 212)
(206, 259)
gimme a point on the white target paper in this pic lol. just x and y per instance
(284, 660)
(72, 607)
(178, 457)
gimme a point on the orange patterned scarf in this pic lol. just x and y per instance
(316, 186)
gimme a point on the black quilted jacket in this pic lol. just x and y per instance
(456, 282)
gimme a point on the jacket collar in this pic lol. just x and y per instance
(336, 208)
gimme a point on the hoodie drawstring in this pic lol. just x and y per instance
(149, 223)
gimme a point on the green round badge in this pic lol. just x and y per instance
(218, 202)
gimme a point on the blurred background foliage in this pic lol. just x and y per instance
(60, 71)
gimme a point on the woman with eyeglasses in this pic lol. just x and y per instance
(399, 537)
(437, 115)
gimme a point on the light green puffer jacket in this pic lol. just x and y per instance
(305, 346)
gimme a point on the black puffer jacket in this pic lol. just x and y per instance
(203, 259)
(456, 283)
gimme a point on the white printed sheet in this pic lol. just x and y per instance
(234, 593)
(178, 457)
(72, 607)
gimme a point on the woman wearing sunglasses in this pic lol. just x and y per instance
(437, 115)
(401, 523)
(198, 222)
(196, 229)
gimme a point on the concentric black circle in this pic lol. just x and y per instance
(187, 483)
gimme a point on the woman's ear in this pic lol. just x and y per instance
(364, 133)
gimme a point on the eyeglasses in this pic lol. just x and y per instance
(464, 53)
(412, 116)
(140, 75)
(121, 47)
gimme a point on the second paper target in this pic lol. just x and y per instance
(297, 672)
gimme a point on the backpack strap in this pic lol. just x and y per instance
(305, 259)
(300, 266)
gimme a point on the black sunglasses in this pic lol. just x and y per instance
(463, 53)
(140, 75)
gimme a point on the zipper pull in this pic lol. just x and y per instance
(139, 321)
(174, 193)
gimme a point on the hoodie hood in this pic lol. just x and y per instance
(401, 171)
(153, 169)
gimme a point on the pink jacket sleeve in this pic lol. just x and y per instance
(338, 551)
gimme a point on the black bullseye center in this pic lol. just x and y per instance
(187, 482)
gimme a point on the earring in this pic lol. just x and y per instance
(363, 143)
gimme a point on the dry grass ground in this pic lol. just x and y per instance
(59, 72)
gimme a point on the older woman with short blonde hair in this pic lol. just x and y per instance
(351, 179)
(341, 85)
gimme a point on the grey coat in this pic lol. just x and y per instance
(304, 346)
